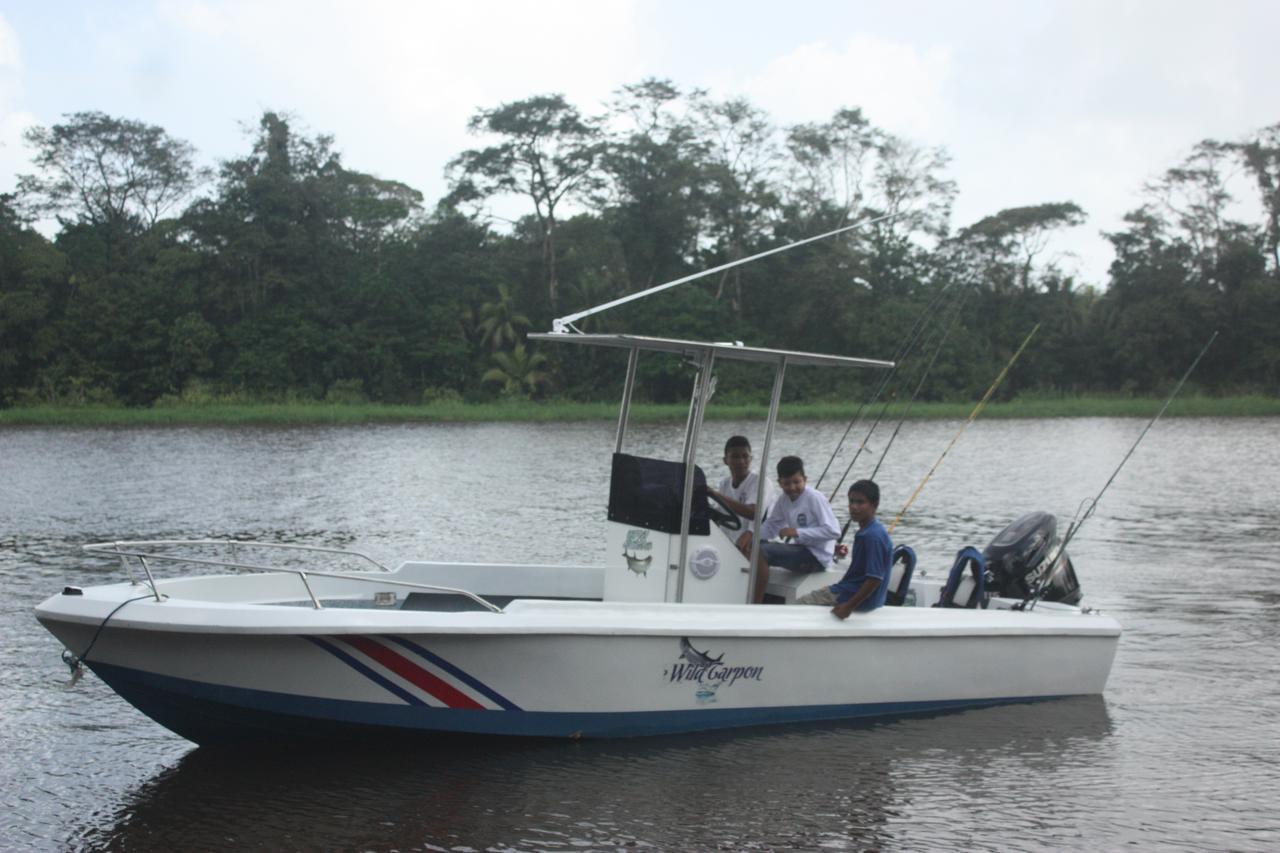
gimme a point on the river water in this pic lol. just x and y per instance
(1181, 752)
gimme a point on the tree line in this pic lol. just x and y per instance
(283, 273)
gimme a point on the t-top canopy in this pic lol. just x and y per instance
(734, 351)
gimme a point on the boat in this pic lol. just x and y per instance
(659, 639)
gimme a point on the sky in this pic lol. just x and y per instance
(1035, 101)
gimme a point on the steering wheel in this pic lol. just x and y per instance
(721, 514)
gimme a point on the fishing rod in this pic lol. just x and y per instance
(1042, 585)
(919, 385)
(875, 425)
(972, 416)
(564, 325)
(917, 329)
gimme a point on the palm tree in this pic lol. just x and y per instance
(500, 324)
(520, 371)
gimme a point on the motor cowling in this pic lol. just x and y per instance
(1020, 556)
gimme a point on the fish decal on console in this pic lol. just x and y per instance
(637, 565)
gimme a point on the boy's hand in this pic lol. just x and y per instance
(842, 611)
(842, 551)
(790, 532)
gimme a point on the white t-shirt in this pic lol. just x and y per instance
(810, 514)
(745, 492)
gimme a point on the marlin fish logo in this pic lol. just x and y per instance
(637, 565)
(695, 657)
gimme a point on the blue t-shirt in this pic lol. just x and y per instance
(870, 558)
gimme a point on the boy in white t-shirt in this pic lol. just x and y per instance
(803, 514)
(740, 487)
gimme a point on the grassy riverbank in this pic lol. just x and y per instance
(287, 414)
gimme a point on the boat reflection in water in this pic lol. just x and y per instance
(802, 786)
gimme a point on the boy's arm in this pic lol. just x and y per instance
(744, 510)
(770, 527)
(879, 558)
(868, 588)
(824, 528)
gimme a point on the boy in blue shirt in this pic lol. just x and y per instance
(865, 584)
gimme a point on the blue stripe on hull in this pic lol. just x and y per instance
(210, 714)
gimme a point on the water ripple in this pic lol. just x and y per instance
(1182, 753)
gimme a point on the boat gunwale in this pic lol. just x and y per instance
(565, 618)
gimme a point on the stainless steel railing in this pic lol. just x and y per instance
(134, 550)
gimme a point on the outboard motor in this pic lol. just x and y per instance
(1019, 556)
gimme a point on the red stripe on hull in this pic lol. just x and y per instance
(409, 671)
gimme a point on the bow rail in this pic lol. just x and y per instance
(143, 550)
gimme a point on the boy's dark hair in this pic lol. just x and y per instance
(789, 466)
(736, 441)
(868, 489)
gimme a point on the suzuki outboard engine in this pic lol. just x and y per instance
(1018, 558)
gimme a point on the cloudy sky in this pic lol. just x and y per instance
(1035, 100)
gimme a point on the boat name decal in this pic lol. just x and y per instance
(723, 675)
(707, 672)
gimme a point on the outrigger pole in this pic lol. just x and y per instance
(565, 324)
(1038, 592)
(972, 416)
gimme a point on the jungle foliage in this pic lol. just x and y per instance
(286, 275)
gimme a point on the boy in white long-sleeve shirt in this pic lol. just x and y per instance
(804, 514)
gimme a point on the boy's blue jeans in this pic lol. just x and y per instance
(797, 558)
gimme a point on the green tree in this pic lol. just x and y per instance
(1008, 243)
(1191, 201)
(33, 279)
(1261, 156)
(1159, 308)
(311, 275)
(501, 325)
(829, 167)
(192, 342)
(108, 171)
(519, 371)
(907, 181)
(547, 153)
(373, 212)
(656, 181)
(743, 157)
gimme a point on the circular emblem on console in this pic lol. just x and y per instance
(704, 563)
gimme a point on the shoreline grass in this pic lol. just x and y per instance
(303, 414)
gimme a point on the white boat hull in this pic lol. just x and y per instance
(218, 673)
